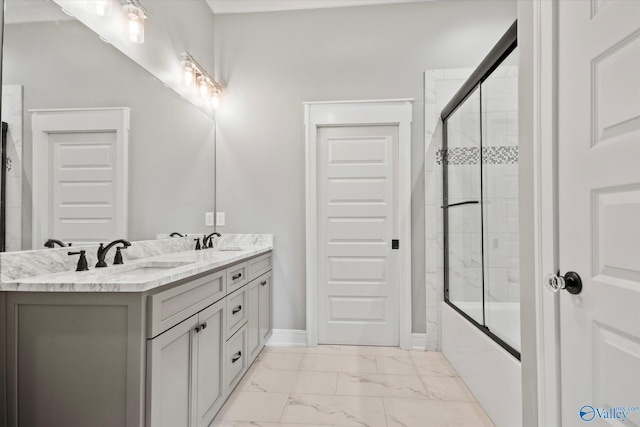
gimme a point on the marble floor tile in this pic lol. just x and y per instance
(434, 367)
(303, 382)
(246, 406)
(248, 376)
(447, 388)
(279, 361)
(396, 365)
(359, 384)
(338, 363)
(364, 350)
(321, 349)
(225, 423)
(427, 355)
(434, 413)
(335, 410)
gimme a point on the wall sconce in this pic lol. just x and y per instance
(134, 15)
(193, 74)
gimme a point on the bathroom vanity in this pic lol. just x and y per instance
(159, 341)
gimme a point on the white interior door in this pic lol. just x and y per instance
(80, 175)
(357, 220)
(599, 210)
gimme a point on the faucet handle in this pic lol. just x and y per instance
(82, 261)
(101, 262)
(198, 247)
(117, 260)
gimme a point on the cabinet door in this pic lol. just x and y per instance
(209, 342)
(265, 311)
(253, 319)
(170, 376)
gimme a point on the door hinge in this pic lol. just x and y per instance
(395, 244)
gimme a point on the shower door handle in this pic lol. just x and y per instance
(571, 282)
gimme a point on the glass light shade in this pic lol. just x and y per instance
(204, 86)
(188, 74)
(102, 8)
(215, 99)
(134, 25)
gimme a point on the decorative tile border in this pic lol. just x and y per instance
(500, 155)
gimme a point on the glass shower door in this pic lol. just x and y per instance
(500, 201)
(462, 208)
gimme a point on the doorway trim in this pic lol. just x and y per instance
(537, 34)
(369, 112)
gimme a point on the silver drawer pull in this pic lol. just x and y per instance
(236, 276)
(237, 309)
(236, 357)
(264, 282)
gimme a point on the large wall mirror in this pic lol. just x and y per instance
(52, 61)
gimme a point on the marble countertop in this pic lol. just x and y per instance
(137, 275)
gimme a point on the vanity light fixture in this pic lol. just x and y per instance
(215, 100)
(102, 8)
(134, 15)
(204, 86)
(188, 73)
(193, 74)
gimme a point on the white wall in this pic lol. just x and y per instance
(270, 63)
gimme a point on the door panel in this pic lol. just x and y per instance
(599, 207)
(80, 174)
(82, 185)
(357, 270)
(266, 307)
(170, 372)
(210, 384)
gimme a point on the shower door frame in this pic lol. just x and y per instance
(505, 46)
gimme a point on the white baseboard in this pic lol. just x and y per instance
(298, 338)
(288, 338)
(418, 342)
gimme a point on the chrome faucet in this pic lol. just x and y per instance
(175, 233)
(207, 240)
(52, 242)
(102, 251)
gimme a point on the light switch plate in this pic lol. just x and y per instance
(220, 219)
(208, 219)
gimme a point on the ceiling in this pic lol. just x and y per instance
(249, 6)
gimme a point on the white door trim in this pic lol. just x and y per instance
(390, 112)
(545, 215)
(45, 121)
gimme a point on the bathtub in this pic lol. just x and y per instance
(492, 374)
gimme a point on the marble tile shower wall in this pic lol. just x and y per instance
(500, 196)
(440, 86)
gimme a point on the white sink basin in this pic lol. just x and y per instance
(149, 267)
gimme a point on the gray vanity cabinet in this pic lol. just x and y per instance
(167, 357)
(259, 314)
(253, 320)
(266, 308)
(171, 359)
(185, 383)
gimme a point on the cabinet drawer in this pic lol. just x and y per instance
(258, 265)
(168, 308)
(236, 310)
(236, 363)
(236, 276)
